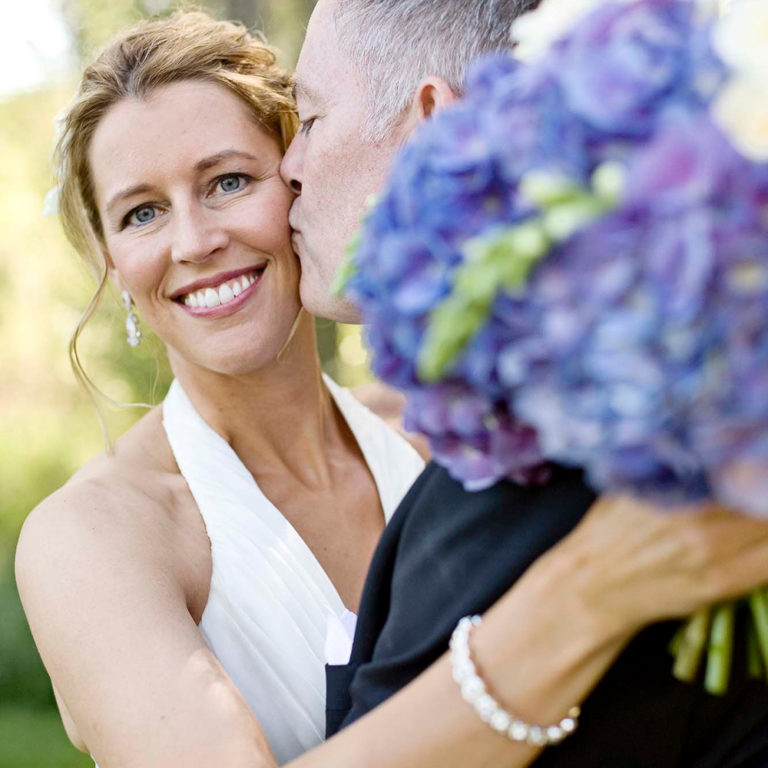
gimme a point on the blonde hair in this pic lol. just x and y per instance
(188, 45)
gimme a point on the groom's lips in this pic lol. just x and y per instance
(297, 240)
(292, 220)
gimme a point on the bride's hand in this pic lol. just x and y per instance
(629, 563)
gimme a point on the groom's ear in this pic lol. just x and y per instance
(431, 95)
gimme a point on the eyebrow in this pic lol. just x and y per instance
(136, 189)
(203, 165)
(219, 157)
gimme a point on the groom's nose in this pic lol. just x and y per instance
(292, 166)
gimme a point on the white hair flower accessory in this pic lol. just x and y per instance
(51, 201)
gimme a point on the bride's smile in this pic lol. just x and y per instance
(219, 291)
(195, 223)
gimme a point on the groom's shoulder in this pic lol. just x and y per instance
(452, 551)
(447, 552)
(438, 507)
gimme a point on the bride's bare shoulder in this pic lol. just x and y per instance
(131, 504)
(139, 470)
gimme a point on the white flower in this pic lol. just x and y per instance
(741, 37)
(535, 31)
(741, 111)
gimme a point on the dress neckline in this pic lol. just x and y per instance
(348, 405)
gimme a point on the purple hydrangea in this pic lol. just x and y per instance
(637, 345)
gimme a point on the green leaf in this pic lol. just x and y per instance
(504, 259)
(548, 189)
(348, 267)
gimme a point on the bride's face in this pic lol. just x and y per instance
(195, 219)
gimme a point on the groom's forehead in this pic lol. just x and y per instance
(325, 74)
(320, 40)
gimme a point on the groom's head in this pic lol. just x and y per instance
(369, 72)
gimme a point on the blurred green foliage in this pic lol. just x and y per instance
(35, 739)
(48, 426)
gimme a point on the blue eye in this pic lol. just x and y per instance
(141, 215)
(232, 182)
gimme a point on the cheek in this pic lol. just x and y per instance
(140, 265)
(264, 226)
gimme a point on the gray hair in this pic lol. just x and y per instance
(397, 43)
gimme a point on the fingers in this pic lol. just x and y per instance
(636, 563)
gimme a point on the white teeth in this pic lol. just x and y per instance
(211, 298)
(225, 294)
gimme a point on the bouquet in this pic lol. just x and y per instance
(571, 265)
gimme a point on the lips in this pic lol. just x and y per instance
(225, 292)
(197, 291)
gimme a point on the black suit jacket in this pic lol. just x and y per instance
(447, 553)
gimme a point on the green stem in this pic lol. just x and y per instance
(755, 664)
(677, 639)
(720, 657)
(692, 644)
(758, 602)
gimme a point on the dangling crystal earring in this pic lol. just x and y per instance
(131, 321)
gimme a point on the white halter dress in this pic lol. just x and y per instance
(273, 616)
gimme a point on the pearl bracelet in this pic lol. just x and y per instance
(475, 693)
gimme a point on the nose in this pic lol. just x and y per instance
(292, 166)
(196, 235)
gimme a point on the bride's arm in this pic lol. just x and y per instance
(111, 621)
(101, 572)
(549, 640)
(540, 655)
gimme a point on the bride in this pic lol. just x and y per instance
(243, 513)
(201, 573)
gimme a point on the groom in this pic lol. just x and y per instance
(370, 71)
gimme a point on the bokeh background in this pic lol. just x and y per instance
(48, 427)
